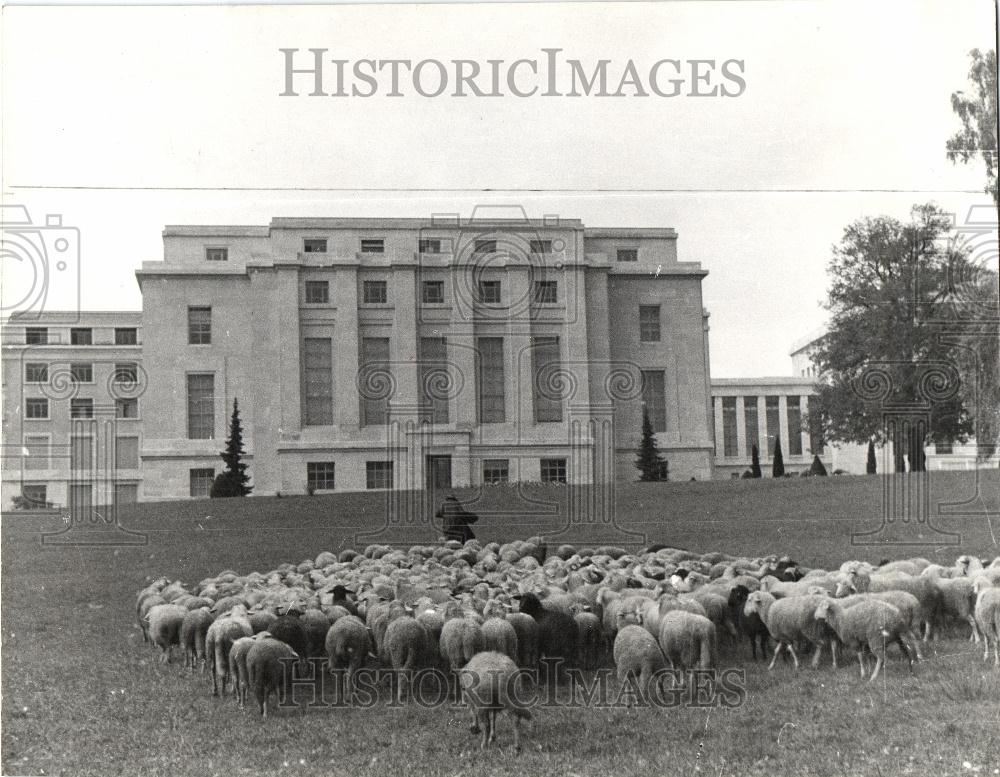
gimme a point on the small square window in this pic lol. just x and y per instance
(319, 476)
(81, 408)
(317, 292)
(36, 373)
(489, 292)
(201, 482)
(546, 292)
(628, 254)
(649, 323)
(217, 254)
(429, 246)
(378, 474)
(36, 335)
(553, 470)
(314, 245)
(81, 372)
(81, 336)
(35, 496)
(496, 471)
(540, 246)
(127, 372)
(126, 408)
(433, 292)
(36, 408)
(126, 336)
(373, 246)
(485, 247)
(375, 292)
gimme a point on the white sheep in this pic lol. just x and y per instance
(165, 621)
(269, 668)
(638, 655)
(687, 640)
(869, 624)
(489, 684)
(987, 613)
(219, 640)
(789, 620)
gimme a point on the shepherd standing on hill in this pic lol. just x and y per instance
(455, 520)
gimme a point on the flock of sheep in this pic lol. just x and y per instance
(488, 612)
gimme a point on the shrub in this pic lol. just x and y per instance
(817, 467)
(778, 465)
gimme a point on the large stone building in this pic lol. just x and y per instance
(406, 353)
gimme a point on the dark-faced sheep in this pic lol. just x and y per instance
(557, 635)
(749, 624)
(526, 629)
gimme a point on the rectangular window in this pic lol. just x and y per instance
(627, 254)
(378, 474)
(81, 372)
(429, 246)
(540, 246)
(36, 373)
(199, 325)
(496, 471)
(36, 408)
(81, 336)
(943, 447)
(374, 292)
(127, 452)
(201, 406)
(314, 245)
(654, 399)
(750, 420)
(201, 481)
(317, 358)
(37, 452)
(317, 292)
(127, 372)
(81, 408)
(490, 372)
(546, 292)
(319, 476)
(729, 438)
(546, 383)
(373, 246)
(794, 427)
(36, 495)
(433, 292)
(649, 323)
(553, 470)
(81, 453)
(771, 410)
(217, 254)
(127, 408)
(434, 379)
(126, 335)
(126, 494)
(36, 335)
(374, 361)
(489, 292)
(485, 247)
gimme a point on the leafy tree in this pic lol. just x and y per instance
(234, 480)
(889, 280)
(978, 113)
(870, 467)
(648, 461)
(817, 467)
(755, 462)
(778, 464)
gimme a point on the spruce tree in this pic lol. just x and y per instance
(648, 461)
(870, 467)
(234, 480)
(778, 466)
(817, 467)
(755, 462)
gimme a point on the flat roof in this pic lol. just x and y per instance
(214, 230)
(627, 232)
(777, 380)
(443, 221)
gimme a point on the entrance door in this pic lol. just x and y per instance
(438, 474)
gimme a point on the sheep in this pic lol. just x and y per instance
(406, 647)
(269, 670)
(526, 629)
(316, 624)
(957, 600)
(687, 640)
(289, 629)
(789, 620)
(499, 636)
(261, 620)
(987, 612)
(219, 641)
(348, 644)
(871, 623)
(238, 669)
(194, 627)
(489, 685)
(590, 640)
(143, 606)
(750, 624)
(461, 639)
(923, 588)
(556, 630)
(165, 622)
(637, 655)
(905, 602)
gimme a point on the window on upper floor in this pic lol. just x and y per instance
(36, 335)
(649, 323)
(127, 408)
(81, 372)
(489, 292)
(317, 292)
(484, 247)
(81, 336)
(201, 406)
(373, 246)
(429, 246)
(433, 292)
(217, 254)
(375, 292)
(36, 408)
(127, 372)
(81, 408)
(627, 254)
(36, 373)
(200, 325)
(546, 292)
(540, 246)
(314, 245)
(126, 335)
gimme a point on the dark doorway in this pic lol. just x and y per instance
(438, 474)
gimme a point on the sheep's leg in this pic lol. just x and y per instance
(906, 650)
(916, 644)
(975, 629)
(777, 649)
(833, 652)
(816, 655)
(483, 725)
(795, 658)
(517, 732)
(753, 646)
(861, 661)
(879, 660)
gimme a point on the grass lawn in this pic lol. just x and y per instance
(82, 695)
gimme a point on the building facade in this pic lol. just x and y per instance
(72, 409)
(397, 354)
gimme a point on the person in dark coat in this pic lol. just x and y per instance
(455, 520)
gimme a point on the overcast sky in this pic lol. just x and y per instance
(845, 114)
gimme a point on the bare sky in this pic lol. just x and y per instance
(845, 114)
